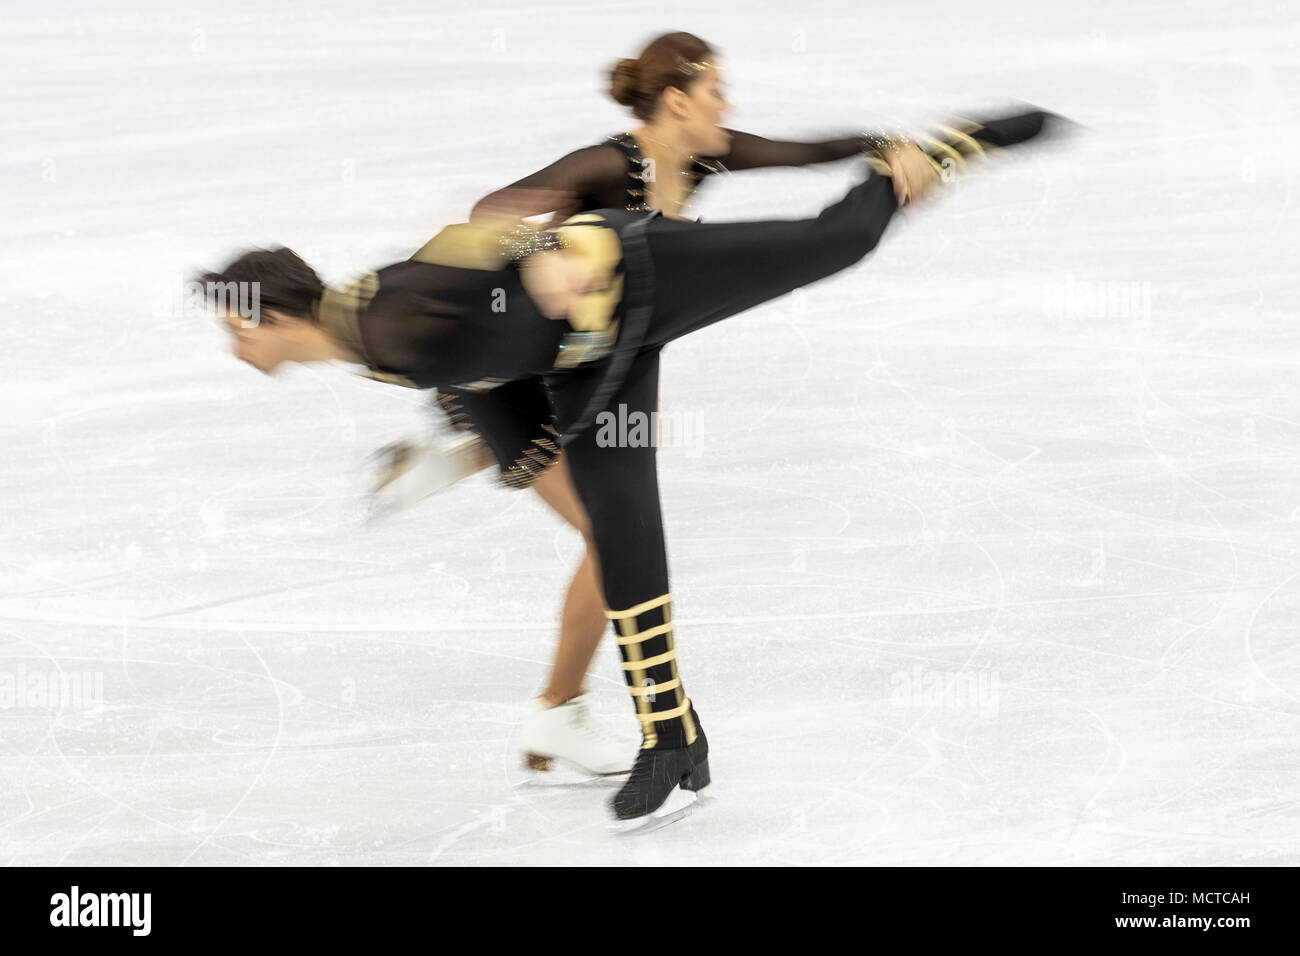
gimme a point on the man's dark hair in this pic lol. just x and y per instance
(285, 283)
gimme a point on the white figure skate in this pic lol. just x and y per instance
(405, 472)
(570, 733)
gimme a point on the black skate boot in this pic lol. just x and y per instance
(657, 773)
(1003, 131)
(674, 755)
(962, 140)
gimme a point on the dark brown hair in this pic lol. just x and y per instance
(670, 60)
(285, 282)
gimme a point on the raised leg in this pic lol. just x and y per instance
(706, 272)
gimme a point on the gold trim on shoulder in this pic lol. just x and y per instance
(466, 245)
(339, 310)
(339, 313)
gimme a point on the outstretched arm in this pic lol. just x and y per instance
(907, 166)
(754, 152)
(587, 178)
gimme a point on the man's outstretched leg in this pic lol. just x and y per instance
(615, 474)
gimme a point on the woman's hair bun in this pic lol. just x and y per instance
(623, 80)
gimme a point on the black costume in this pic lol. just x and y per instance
(515, 420)
(456, 315)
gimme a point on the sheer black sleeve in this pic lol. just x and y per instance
(753, 152)
(595, 177)
(404, 331)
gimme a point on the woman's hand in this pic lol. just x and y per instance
(554, 280)
(914, 175)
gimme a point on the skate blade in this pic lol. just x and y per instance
(544, 764)
(557, 772)
(678, 805)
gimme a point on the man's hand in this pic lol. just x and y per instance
(914, 175)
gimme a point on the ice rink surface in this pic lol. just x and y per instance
(984, 552)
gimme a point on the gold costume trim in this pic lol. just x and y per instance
(692, 733)
(648, 735)
(530, 465)
(466, 245)
(457, 417)
(962, 140)
(878, 165)
(639, 608)
(338, 311)
(642, 636)
(636, 667)
(940, 147)
(590, 237)
(645, 690)
(579, 347)
(650, 662)
(680, 710)
(390, 378)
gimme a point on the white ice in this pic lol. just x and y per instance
(983, 552)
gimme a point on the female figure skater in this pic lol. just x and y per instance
(675, 88)
(641, 281)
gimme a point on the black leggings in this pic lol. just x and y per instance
(706, 272)
(702, 273)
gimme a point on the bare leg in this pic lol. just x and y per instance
(582, 622)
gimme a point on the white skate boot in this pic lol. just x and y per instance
(569, 733)
(407, 471)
